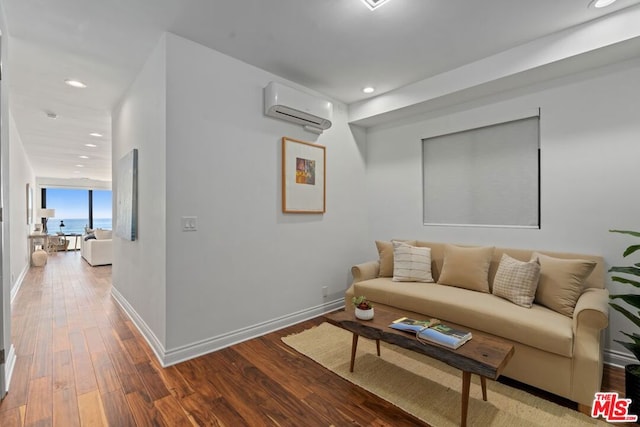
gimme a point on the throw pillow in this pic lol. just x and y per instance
(385, 253)
(561, 282)
(466, 267)
(516, 280)
(411, 264)
(102, 234)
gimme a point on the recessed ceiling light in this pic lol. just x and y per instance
(51, 115)
(79, 166)
(90, 145)
(369, 89)
(372, 4)
(601, 3)
(96, 134)
(83, 157)
(75, 83)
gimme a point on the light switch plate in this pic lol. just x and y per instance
(189, 223)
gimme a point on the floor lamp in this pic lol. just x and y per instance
(45, 214)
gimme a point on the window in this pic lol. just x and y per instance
(77, 209)
(101, 209)
(487, 176)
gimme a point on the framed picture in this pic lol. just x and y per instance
(29, 204)
(127, 196)
(303, 177)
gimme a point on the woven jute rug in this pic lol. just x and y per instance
(427, 388)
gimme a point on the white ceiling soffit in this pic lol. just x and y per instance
(601, 42)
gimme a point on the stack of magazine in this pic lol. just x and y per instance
(433, 331)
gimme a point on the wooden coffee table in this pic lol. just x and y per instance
(483, 355)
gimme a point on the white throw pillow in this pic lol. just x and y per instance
(411, 263)
(102, 234)
(517, 281)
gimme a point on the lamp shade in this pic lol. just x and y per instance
(46, 213)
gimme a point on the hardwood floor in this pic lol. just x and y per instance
(80, 361)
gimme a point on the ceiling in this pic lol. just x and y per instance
(336, 47)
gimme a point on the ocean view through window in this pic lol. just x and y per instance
(77, 209)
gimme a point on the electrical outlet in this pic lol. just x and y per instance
(189, 223)
(325, 291)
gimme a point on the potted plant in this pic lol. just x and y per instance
(364, 308)
(631, 371)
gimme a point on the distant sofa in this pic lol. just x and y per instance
(551, 306)
(97, 248)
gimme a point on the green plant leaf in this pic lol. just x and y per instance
(634, 337)
(631, 299)
(626, 270)
(631, 249)
(632, 233)
(625, 280)
(626, 313)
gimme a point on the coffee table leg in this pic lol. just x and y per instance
(378, 346)
(354, 346)
(483, 383)
(466, 381)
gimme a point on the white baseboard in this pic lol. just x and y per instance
(9, 365)
(219, 342)
(189, 351)
(145, 330)
(18, 284)
(618, 359)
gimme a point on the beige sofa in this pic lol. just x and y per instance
(553, 351)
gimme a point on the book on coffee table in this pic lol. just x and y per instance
(411, 325)
(444, 335)
(433, 331)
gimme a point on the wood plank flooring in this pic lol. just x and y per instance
(81, 362)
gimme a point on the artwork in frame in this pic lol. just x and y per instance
(127, 196)
(303, 177)
(29, 204)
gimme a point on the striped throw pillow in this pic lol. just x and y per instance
(411, 264)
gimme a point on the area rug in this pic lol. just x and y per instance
(426, 388)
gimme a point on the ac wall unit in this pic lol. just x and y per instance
(292, 105)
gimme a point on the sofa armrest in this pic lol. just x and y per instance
(365, 271)
(592, 309)
(590, 317)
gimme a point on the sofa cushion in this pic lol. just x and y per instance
(466, 267)
(516, 280)
(537, 327)
(410, 263)
(385, 253)
(561, 282)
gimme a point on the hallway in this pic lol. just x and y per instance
(81, 361)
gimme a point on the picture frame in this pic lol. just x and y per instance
(127, 196)
(303, 177)
(29, 204)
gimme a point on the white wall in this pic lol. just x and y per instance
(21, 173)
(248, 265)
(248, 268)
(589, 170)
(139, 267)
